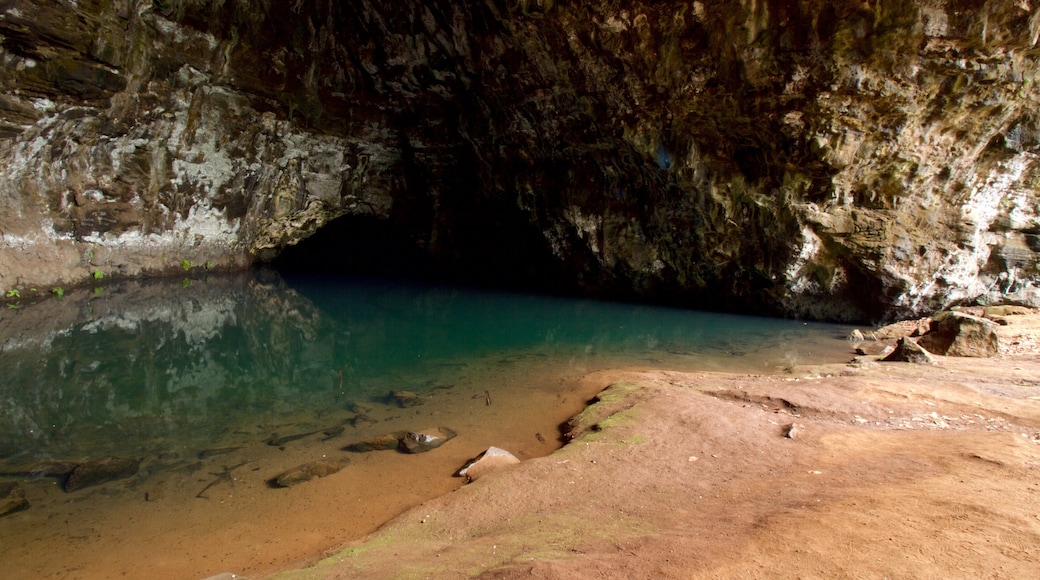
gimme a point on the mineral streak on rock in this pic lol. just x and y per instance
(840, 160)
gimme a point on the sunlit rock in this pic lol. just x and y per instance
(958, 334)
(490, 460)
(907, 350)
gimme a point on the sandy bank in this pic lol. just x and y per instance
(893, 470)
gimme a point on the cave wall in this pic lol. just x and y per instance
(840, 160)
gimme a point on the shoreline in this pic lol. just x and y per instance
(893, 469)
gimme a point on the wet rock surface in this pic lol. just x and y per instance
(819, 159)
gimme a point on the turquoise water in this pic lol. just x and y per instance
(212, 387)
(144, 366)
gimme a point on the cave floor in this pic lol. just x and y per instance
(893, 470)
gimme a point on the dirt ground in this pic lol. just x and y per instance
(893, 470)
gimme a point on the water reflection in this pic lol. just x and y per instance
(146, 366)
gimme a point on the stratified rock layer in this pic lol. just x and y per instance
(840, 160)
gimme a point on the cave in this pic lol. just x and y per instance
(494, 251)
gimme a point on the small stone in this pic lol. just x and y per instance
(425, 440)
(793, 430)
(309, 471)
(100, 471)
(490, 460)
(856, 336)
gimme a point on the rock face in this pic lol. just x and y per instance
(839, 160)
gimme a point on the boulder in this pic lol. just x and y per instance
(490, 460)
(909, 351)
(425, 440)
(958, 334)
(309, 471)
(100, 471)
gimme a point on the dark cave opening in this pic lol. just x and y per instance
(491, 250)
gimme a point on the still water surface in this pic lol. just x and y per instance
(194, 379)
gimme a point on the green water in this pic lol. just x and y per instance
(151, 366)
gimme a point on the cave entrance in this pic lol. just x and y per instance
(356, 245)
(485, 249)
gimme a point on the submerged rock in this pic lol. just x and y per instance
(7, 488)
(405, 399)
(380, 443)
(100, 471)
(13, 505)
(309, 471)
(490, 460)
(425, 440)
(207, 453)
(958, 334)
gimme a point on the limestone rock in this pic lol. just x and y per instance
(309, 471)
(909, 351)
(490, 460)
(957, 334)
(100, 471)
